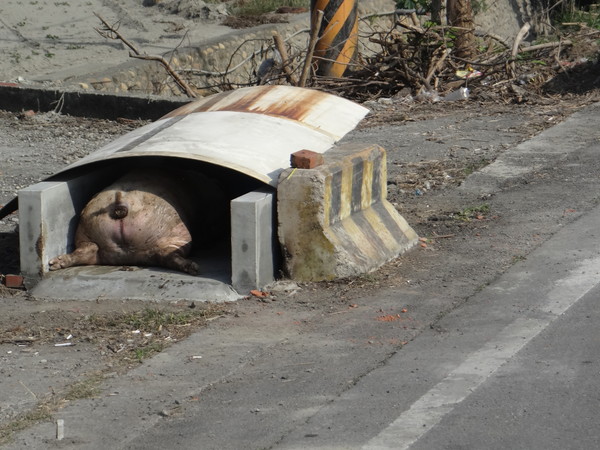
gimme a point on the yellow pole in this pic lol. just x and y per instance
(338, 36)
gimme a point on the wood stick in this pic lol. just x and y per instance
(546, 45)
(435, 67)
(311, 49)
(285, 63)
(515, 49)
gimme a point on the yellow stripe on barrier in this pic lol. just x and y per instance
(380, 228)
(327, 202)
(366, 190)
(346, 192)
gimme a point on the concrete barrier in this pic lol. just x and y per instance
(254, 255)
(48, 217)
(335, 221)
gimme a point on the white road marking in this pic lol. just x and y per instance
(430, 409)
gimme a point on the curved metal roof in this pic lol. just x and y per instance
(251, 130)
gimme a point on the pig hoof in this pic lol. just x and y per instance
(60, 262)
(192, 268)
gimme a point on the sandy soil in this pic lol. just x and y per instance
(49, 41)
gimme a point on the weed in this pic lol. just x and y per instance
(517, 258)
(87, 388)
(42, 412)
(590, 19)
(152, 320)
(472, 212)
(475, 166)
(52, 37)
(142, 353)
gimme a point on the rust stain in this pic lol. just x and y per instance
(40, 243)
(294, 108)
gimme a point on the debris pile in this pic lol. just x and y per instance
(419, 63)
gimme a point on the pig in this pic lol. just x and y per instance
(144, 218)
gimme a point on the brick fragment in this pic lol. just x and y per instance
(306, 159)
(13, 281)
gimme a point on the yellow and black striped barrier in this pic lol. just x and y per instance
(337, 36)
(334, 221)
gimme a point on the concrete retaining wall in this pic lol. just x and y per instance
(241, 50)
(334, 221)
(215, 64)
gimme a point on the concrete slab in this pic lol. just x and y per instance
(136, 283)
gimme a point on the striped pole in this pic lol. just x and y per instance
(338, 35)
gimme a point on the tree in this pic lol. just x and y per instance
(459, 14)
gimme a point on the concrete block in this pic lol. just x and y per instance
(253, 247)
(48, 217)
(335, 221)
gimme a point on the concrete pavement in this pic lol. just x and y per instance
(510, 366)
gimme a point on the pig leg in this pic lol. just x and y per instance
(172, 254)
(85, 254)
(175, 260)
(178, 262)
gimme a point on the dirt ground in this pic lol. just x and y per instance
(431, 148)
(467, 240)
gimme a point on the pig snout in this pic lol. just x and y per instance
(119, 210)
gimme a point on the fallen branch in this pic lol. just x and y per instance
(515, 49)
(314, 34)
(285, 60)
(436, 65)
(546, 45)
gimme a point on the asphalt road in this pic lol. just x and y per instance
(514, 366)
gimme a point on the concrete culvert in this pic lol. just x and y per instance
(240, 141)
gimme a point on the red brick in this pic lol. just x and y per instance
(306, 159)
(13, 281)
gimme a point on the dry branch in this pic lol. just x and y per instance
(311, 48)
(111, 32)
(511, 68)
(285, 60)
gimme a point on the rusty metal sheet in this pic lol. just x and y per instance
(251, 130)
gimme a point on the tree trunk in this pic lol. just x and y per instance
(460, 14)
(436, 11)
